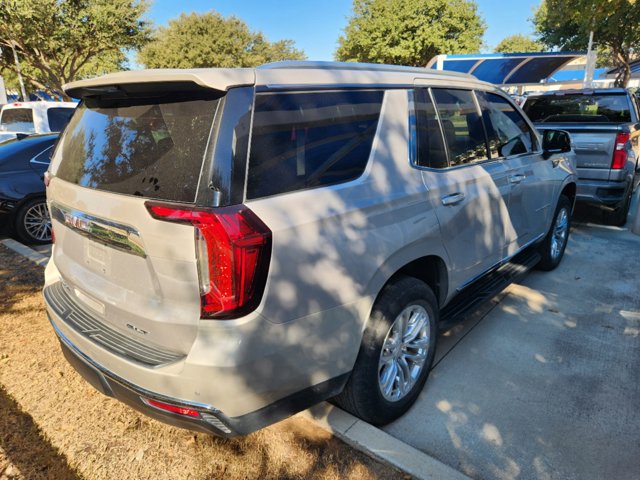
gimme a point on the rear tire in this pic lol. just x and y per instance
(554, 244)
(32, 222)
(396, 354)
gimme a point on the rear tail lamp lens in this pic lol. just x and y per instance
(187, 412)
(620, 151)
(233, 249)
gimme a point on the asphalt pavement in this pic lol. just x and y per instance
(544, 383)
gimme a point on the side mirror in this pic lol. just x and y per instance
(555, 141)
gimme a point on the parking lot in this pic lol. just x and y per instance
(542, 381)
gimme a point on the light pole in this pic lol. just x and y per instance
(18, 70)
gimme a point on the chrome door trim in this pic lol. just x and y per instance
(115, 235)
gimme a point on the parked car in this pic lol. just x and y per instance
(235, 245)
(604, 126)
(26, 118)
(22, 192)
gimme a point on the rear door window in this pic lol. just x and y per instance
(507, 130)
(17, 120)
(431, 151)
(311, 139)
(462, 126)
(150, 148)
(578, 108)
(58, 118)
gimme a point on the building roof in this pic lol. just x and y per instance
(634, 67)
(506, 68)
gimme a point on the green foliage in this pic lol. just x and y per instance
(565, 24)
(211, 40)
(519, 44)
(410, 32)
(59, 41)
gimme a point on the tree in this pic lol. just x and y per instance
(211, 40)
(59, 41)
(410, 32)
(519, 44)
(615, 24)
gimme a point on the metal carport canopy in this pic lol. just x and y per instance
(506, 68)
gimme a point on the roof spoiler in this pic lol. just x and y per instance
(143, 82)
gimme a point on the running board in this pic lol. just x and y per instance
(487, 287)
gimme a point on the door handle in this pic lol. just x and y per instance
(452, 199)
(516, 178)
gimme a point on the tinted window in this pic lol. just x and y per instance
(462, 126)
(58, 118)
(305, 140)
(578, 108)
(137, 147)
(431, 151)
(43, 157)
(17, 120)
(507, 130)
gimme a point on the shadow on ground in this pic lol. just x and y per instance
(25, 447)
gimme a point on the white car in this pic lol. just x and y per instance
(33, 117)
(235, 245)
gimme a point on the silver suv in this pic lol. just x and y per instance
(235, 245)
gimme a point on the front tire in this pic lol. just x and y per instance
(396, 354)
(32, 222)
(554, 244)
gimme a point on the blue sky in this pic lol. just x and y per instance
(315, 26)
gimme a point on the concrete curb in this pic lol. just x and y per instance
(379, 444)
(38, 258)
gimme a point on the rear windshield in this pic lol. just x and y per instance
(145, 148)
(58, 118)
(17, 120)
(578, 108)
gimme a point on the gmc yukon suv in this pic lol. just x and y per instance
(604, 126)
(235, 245)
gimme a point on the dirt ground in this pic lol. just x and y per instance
(53, 425)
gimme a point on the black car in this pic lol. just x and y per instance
(22, 192)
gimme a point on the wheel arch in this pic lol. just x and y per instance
(431, 269)
(569, 190)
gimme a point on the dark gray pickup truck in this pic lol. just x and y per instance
(604, 127)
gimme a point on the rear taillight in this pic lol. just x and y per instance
(620, 151)
(233, 249)
(187, 412)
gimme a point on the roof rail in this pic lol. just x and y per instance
(304, 64)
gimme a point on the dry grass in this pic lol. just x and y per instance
(54, 425)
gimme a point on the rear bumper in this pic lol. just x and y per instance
(210, 420)
(601, 192)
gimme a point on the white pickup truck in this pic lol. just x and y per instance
(25, 118)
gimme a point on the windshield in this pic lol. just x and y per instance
(578, 108)
(151, 148)
(17, 120)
